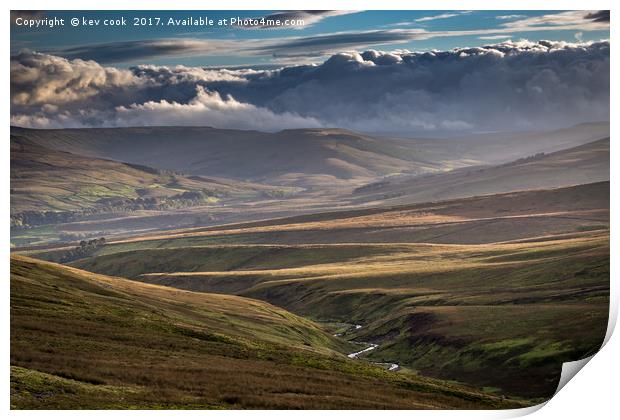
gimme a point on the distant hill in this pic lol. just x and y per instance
(320, 158)
(297, 157)
(502, 147)
(46, 180)
(578, 165)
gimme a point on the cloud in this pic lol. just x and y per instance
(442, 16)
(491, 37)
(115, 52)
(431, 18)
(320, 45)
(600, 16)
(39, 79)
(579, 19)
(509, 17)
(210, 109)
(507, 86)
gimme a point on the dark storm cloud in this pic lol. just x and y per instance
(116, 52)
(312, 46)
(506, 86)
(322, 44)
(600, 16)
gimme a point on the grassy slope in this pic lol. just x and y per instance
(311, 157)
(495, 315)
(48, 180)
(485, 219)
(421, 300)
(582, 164)
(81, 340)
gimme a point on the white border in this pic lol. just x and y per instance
(592, 395)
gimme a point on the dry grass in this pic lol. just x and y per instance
(80, 340)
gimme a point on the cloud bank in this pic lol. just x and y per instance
(500, 87)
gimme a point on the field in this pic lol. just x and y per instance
(80, 340)
(464, 288)
(65, 187)
(432, 284)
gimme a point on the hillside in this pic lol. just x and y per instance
(503, 316)
(299, 157)
(502, 147)
(578, 165)
(494, 291)
(81, 340)
(45, 180)
(475, 220)
(311, 158)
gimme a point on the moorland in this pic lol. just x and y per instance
(304, 269)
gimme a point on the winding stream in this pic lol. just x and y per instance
(371, 346)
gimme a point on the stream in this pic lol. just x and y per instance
(371, 346)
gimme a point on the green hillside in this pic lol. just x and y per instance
(504, 290)
(49, 180)
(81, 340)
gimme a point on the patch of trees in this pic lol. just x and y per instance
(275, 193)
(37, 218)
(154, 171)
(524, 159)
(184, 199)
(85, 249)
(76, 236)
(28, 219)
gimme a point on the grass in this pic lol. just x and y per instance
(494, 291)
(494, 315)
(82, 340)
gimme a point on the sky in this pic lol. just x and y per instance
(323, 34)
(389, 71)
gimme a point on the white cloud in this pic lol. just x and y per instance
(509, 17)
(506, 86)
(442, 16)
(572, 19)
(491, 37)
(209, 109)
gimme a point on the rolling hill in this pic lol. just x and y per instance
(578, 165)
(72, 184)
(291, 157)
(494, 291)
(311, 158)
(53, 183)
(474, 220)
(81, 340)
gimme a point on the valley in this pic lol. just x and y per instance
(81, 340)
(432, 278)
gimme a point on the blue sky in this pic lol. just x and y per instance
(327, 34)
